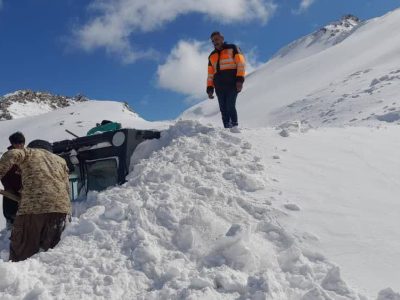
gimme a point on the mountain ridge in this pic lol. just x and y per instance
(24, 103)
(353, 82)
(331, 34)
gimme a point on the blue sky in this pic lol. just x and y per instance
(153, 57)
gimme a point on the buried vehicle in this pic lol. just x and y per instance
(101, 160)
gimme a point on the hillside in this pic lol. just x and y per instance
(78, 118)
(351, 82)
(26, 103)
(298, 206)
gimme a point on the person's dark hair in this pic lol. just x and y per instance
(17, 138)
(215, 33)
(41, 144)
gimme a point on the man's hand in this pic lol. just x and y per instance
(210, 92)
(239, 86)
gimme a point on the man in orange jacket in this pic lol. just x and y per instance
(226, 71)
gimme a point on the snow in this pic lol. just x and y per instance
(347, 83)
(21, 110)
(388, 294)
(179, 228)
(78, 118)
(318, 41)
(339, 186)
(11, 94)
(300, 203)
(346, 182)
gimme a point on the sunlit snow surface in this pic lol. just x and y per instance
(355, 82)
(197, 219)
(302, 204)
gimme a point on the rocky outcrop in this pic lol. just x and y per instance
(43, 100)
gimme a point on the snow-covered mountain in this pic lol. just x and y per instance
(25, 103)
(352, 78)
(77, 117)
(320, 40)
(209, 214)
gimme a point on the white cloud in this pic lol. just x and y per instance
(252, 62)
(304, 6)
(185, 70)
(1, 4)
(116, 21)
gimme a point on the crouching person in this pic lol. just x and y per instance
(45, 202)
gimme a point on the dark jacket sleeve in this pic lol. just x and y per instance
(12, 179)
(9, 159)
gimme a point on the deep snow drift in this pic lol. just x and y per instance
(192, 222)
(340, 190)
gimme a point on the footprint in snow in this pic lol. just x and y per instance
(292, 207)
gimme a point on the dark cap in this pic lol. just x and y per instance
(41, 144)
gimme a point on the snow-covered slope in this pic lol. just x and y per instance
(355, 81)
(193, 222)
(206, 214)
(340, 188)
(302, 213)
(78, 118)
(26, 103)
(320, 40)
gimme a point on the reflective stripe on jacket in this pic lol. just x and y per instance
(226, 66)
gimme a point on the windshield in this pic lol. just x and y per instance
(102, 174)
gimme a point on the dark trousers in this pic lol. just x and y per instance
(10, 208)
(31, 233)
(227, 105)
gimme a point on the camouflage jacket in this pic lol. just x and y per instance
(45, 184)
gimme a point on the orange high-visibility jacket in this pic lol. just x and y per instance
(225, 67)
